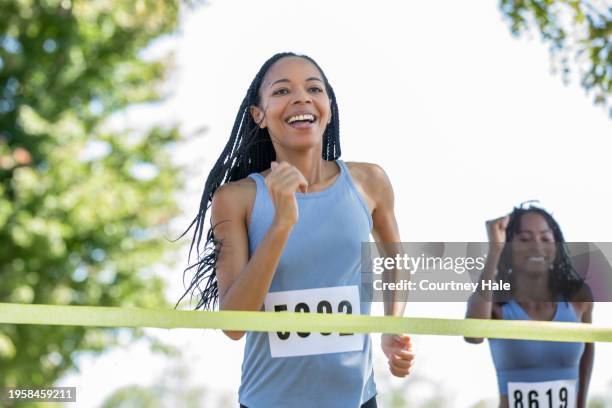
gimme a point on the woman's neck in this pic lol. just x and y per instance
(532, 289)
(310, 164)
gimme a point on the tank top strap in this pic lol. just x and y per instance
(512, 311)
(348, 179)
(343, 167)
(261, 194)
(345, 174)
(258, 178)
(566, 312)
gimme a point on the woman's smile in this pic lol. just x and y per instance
(302, 120)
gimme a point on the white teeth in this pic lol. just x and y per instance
(536, 258)
(308, 117)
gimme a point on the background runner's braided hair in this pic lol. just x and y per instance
(248, 150)
(563, 280)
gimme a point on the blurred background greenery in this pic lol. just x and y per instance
(84, 206)
(579, 35)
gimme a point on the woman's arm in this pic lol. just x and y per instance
(385, 231)
(480, 304)
(243, 282)
(384, 226)
(586, 361)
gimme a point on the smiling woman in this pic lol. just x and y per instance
(527, 248)
(292, 126)
(287, 221)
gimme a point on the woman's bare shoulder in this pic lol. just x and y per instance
(371, 177)
(235, 196)
(582, 301)
(366, 172)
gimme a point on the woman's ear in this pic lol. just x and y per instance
(258, 116)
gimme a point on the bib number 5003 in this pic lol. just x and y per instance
(329, 300)
(323, 306)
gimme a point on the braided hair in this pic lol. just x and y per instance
(563, 280)
(248, 150)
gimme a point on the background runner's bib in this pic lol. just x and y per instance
(342, 299)
(319, 269)
(545, 394)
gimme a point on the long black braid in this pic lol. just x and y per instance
(563, 280)
(249, 149)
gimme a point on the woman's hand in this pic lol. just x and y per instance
(283, 181)
(496, 231)
(399, 353)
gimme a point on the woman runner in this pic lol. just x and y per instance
(526, 248)
(287, 221)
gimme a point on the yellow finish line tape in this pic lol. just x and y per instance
(302, 322)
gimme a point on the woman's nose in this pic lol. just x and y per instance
(542, 245)
(302, 96)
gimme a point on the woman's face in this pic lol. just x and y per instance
(294, 104)
(533, 246)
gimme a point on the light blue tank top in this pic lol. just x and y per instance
(535, 361)
(319, 270)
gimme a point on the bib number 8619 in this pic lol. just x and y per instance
(532, 400)
(323, 306)
(546, 394)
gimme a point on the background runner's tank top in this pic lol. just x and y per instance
(319, 271)
(535, 361)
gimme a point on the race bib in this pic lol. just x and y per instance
(546, 394)
(341, 299)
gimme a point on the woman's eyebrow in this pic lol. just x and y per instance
(286, 80)
(279, 80)
(530, 232)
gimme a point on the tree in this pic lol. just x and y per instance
(579, 27)
(82, 206)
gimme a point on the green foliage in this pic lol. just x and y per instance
(82, 207)
(574, 28)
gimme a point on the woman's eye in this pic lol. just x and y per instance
(315, 89)
(282, 91)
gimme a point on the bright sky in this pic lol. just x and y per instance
(466, 120)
